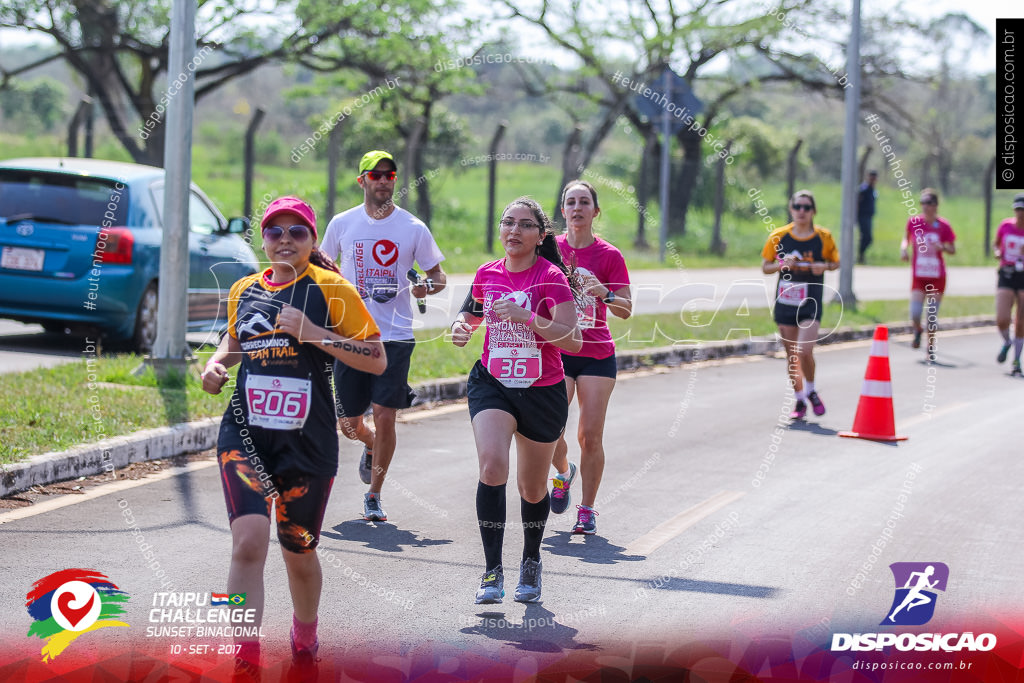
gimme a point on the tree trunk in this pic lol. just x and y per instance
(643, 186)
(718, 245)
(572, 168)
(685, 180)
(791, 175)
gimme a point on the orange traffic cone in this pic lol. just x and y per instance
(874, 419)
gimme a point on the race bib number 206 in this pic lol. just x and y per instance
(277, 402)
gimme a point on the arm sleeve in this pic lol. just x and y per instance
(618, 275)
(829, 251)
(329, 243)
(347, 312)
(233, 296)
(769, 252)
(428, 254)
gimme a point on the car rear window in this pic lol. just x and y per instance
(61, 198)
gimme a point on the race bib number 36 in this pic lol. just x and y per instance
(515, 367)
(277, 402)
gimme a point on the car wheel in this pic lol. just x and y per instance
(145, 321)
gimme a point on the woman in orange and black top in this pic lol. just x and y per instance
(278, 444)
(800, 252)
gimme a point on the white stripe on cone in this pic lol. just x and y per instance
(876, 389)
(879, 348)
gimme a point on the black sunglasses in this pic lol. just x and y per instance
(299, 233)
(803, 207)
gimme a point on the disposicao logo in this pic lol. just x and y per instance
(68, 603)
(916, 582)
(913, 605)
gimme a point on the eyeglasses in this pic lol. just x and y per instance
(803, 207)
(299, 233)
(523, 225)
(928, 201)
(380, 175)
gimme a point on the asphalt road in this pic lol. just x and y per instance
(693, 543)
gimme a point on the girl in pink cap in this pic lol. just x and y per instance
(278, 445)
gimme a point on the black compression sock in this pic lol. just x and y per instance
(490, 513)
(535, 516)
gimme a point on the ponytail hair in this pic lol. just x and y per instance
(318, 257)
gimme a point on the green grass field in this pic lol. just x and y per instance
(460, 204)
(83, 402)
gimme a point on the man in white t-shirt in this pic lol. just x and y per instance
(378, 243)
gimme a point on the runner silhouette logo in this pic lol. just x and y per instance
(916, 583)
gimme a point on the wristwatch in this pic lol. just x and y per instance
(610, 298)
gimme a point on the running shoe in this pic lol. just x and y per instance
(304, 661)
(1015, 371)
(816, 404)
(1001, 358)
(586, 522)
(528, 589)
(247, 664)
(916, 344)
(560, 490)
(799, 410)
(492, 587)
(372, 510)
(366, 464)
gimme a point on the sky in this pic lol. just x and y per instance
(984, 12)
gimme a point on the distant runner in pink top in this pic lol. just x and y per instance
(589, 372)
(517, 389)
(928, 237)
(1009, 249)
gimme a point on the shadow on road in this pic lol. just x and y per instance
(380, 536)
(717, 588)
(537, 632)
(590, 549)
(812, 427)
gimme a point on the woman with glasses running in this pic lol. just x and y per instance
(800, 252)
(590, 372)
(278, 445)
(930, 237)
(517, 389)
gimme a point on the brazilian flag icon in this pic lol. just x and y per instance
(237, 598)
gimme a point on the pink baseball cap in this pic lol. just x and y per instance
(290, 205)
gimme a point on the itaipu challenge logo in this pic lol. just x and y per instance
(916, 583)
(70, 603)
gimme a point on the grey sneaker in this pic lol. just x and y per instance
(492, 587)
(372, 510)
(586, 521)
(560, 490)
(366, 464)
(528, 589)
(1003, 352)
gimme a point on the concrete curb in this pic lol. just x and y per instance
(191, 437)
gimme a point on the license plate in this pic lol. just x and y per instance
(18, 258)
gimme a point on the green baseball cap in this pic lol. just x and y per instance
(371, 159)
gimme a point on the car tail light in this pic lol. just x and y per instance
(119, 245)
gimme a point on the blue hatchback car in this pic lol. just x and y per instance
(80, 249)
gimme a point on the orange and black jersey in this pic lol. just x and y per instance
(283, 400)
(818, 247)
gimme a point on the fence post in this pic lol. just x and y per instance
(492, 184)
(250, 161)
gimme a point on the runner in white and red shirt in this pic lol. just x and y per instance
(1009, 249)
(517, 388)
(589, 372)
(928, 237)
